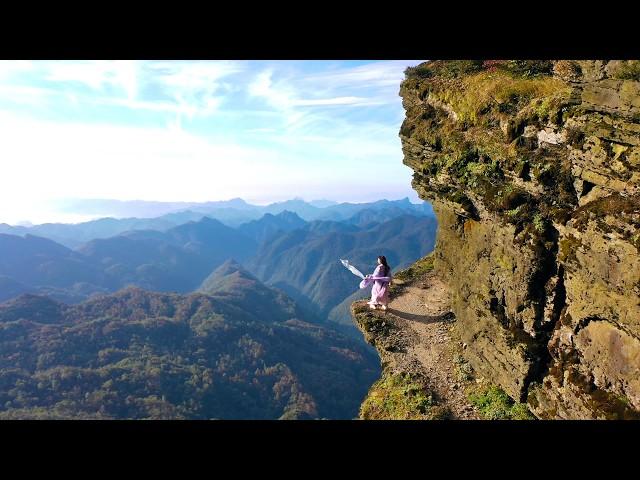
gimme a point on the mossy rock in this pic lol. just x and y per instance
(494, 404)
(624, 69)
(615, 205)
(401, 396)
(567, 249)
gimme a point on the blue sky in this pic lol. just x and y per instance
(198, 131)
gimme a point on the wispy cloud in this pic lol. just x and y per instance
(98, 75)
(386, 74)
(196, 131)
(181, 87)
(9, 68)
(196, 87)
(362, 101)
(371, 85)
(278, 95)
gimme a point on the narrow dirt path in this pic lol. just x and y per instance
(424, 307)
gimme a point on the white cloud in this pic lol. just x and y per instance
(285, 94)
(185, 88)
(375, 74)
(157, 106)
(193, 85)
(9, 68)
(335, 101)
(121, 74)
(278, 96)
(302, 99)
(183, 75)
(46, 160)
(261, 130)
(24, 95)
(305, 133)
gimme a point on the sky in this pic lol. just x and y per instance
(197, 131)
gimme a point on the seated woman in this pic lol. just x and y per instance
(380, 289)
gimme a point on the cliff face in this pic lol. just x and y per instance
(533, 169)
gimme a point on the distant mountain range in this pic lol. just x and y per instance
(189, 316)
(304, 262)
(238, 350)
(175, 260)
(270, 224)
(232, 213)
(74, 235)
(284, 250)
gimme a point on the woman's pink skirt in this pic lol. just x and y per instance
(380, 293)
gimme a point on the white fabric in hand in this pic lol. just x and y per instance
(352, 269)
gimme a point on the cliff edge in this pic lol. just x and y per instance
(533, 169)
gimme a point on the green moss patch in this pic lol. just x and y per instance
(494, 404)
(529, 68)
(462, 368)
(401, 397)
(417, 270)
(567, 249)
(479, 146)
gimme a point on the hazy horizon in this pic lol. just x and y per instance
(197, 131)
(74, 218)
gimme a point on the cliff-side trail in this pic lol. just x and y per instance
(415, 338)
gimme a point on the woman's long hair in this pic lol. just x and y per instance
(387, 268)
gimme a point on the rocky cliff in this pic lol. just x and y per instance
(533, 168)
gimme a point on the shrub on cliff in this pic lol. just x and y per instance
(401, 397)
(495, 404)
(444, 69)
(529, 68)
(461, 68)
(626, 70)
(493, 65)
(419, 71)
(567, 70)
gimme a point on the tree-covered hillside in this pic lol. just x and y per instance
(139, 354)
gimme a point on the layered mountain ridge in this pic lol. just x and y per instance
(240, 350)
(279, 249)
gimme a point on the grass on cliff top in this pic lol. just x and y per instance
(458, 68)
(416, 270)
(494, 404)
(400, 397)
(502, 92)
